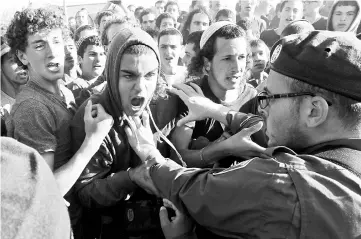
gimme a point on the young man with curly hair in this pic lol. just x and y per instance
(41, 115)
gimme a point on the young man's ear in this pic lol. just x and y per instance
(207, 64)
(22, 57)
(80, 60)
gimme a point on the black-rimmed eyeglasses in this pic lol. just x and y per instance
(264, 98)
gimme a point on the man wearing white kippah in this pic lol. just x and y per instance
(224, 58)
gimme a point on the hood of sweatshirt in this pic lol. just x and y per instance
(355, 23)
(110, 98)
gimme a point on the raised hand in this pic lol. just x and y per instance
(140, 136)
(241, 144)
(97, 122)
(176, 226)
(199, 106)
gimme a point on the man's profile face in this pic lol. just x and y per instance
(292, 10)
(170, 50)
(93, 62)
(189, 54)
(282, 116)
(148, 21)
(342, 17)
(71, 59)
(137, 81)
(44, 55)
(229, 63)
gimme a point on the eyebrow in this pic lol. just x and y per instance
(130, 72)
(37, 41)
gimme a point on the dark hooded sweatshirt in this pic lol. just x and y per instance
(104, 184)
(355, 23)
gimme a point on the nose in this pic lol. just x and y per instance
(139, 85)
(54, 50)
(256, 58)
(237, 66)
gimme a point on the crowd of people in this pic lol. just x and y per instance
(161, 123)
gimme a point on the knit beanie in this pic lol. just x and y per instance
(31, 204)
(329, 60)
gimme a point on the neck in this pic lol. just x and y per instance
(8, 87)
(280, 29)
(52, 86)
(89, 79)
(256, 75)
(72, 73)
(169, 70)
(313, 17)
(247, 14)
(220, 93)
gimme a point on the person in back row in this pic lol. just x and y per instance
(307, 183)
(170, 47)
(290, 10)
(191, 48)
(224, 56)
(311, 12)
(246, 11)
(91, 56)
(165, 20)
(345, 16)
(197, 20)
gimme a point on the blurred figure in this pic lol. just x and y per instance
(326, 8)
(31, 204)
(311, 12)
(260, 58)
(159, 7)
(215, 6)
(13, 77)
(147, 19)
(275, 20)
(164, 21)
(137, 13)
(102, 18)
(246, 10)
(83, 31)
(111, 28)
(297, 27)
(197, 20)
(246, 25)
(72, 24)
(71, 66)
(172, 8)
(344, 16)
(131, 9)
(82, 18)
(191, 48)
(225, 15)
(263, 10)
(290, 10)
(196, 4)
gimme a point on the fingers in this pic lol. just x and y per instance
(183, 121)
(197, 88)
(87, 111)
(145, 119)
(169, 204)
(181, 94)
(163, 216)
(137, 121)
(253, 129)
